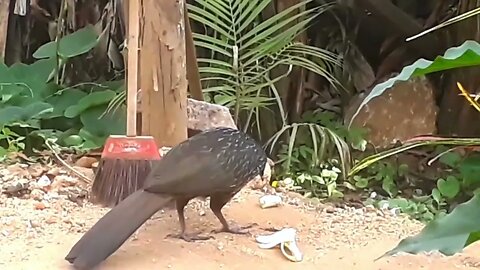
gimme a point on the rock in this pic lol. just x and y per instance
(65, 181)
(203, 115)
(16, 188)
(44, 181)
(51, 220)
(406, 110)
(36, 170)
(85, 162)
(77, 196)
(40, 205)
(37, 194)
(329, 209)
(54, 171)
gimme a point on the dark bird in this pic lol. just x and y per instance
(216, 163)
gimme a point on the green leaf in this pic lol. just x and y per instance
(73, 140)
(361, 182)
(64, 100)
(36, 110)
(470, 170)
(449, 187)
(91, 100)
(450, 158)
(465, 55)
(11, 114)
(389, 186)
(448, 234)
(91, 141)
(436, 195)
(106, 125)
(401, 203)
(74, 44)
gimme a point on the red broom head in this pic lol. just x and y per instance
(126, 163)
(124, 147)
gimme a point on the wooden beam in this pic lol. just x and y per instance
(4, 12)
(163, 77)
(193, 75)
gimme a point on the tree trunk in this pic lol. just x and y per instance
(163, 76)
(4, 12)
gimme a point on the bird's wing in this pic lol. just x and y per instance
(192, 172)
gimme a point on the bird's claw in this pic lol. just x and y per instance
(236, 229)
(190, 237)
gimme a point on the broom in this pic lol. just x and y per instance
(126, 160)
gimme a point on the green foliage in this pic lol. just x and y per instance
(418, 142)
(31, 103)
(72, 45)
(316, 154)
(317, 138)
(11, 142)
(248, 56)
(448, 234)
(418, 207)
(245, 50)
(382, 174)
(320, 181)
(354, 136)
(462, 179)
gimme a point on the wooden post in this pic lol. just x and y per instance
(4, 12)
(163, 78)
(193, 76)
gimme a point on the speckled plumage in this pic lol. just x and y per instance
(216, 163)
(217, 160)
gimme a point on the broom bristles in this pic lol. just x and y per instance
(116, 179)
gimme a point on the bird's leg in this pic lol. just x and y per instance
(217, 202)
(181, 203)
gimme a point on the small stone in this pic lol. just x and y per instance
(85, 162)
(53, 195)
(44, 181)
(40, 206)
(54, 171)
(65, 180)
(51, 220)
(36, 170)
(17, 187)
(37, 194)
(202, 213)
(329, 209)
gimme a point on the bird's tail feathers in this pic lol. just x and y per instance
(113, 229)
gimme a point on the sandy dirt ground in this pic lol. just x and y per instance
(344, 238)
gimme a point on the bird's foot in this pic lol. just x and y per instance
(236, 229)
(190, 237)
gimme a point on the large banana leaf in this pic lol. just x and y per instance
(448, 234)
(468, 54)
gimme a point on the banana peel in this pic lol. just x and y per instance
(286, 239)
